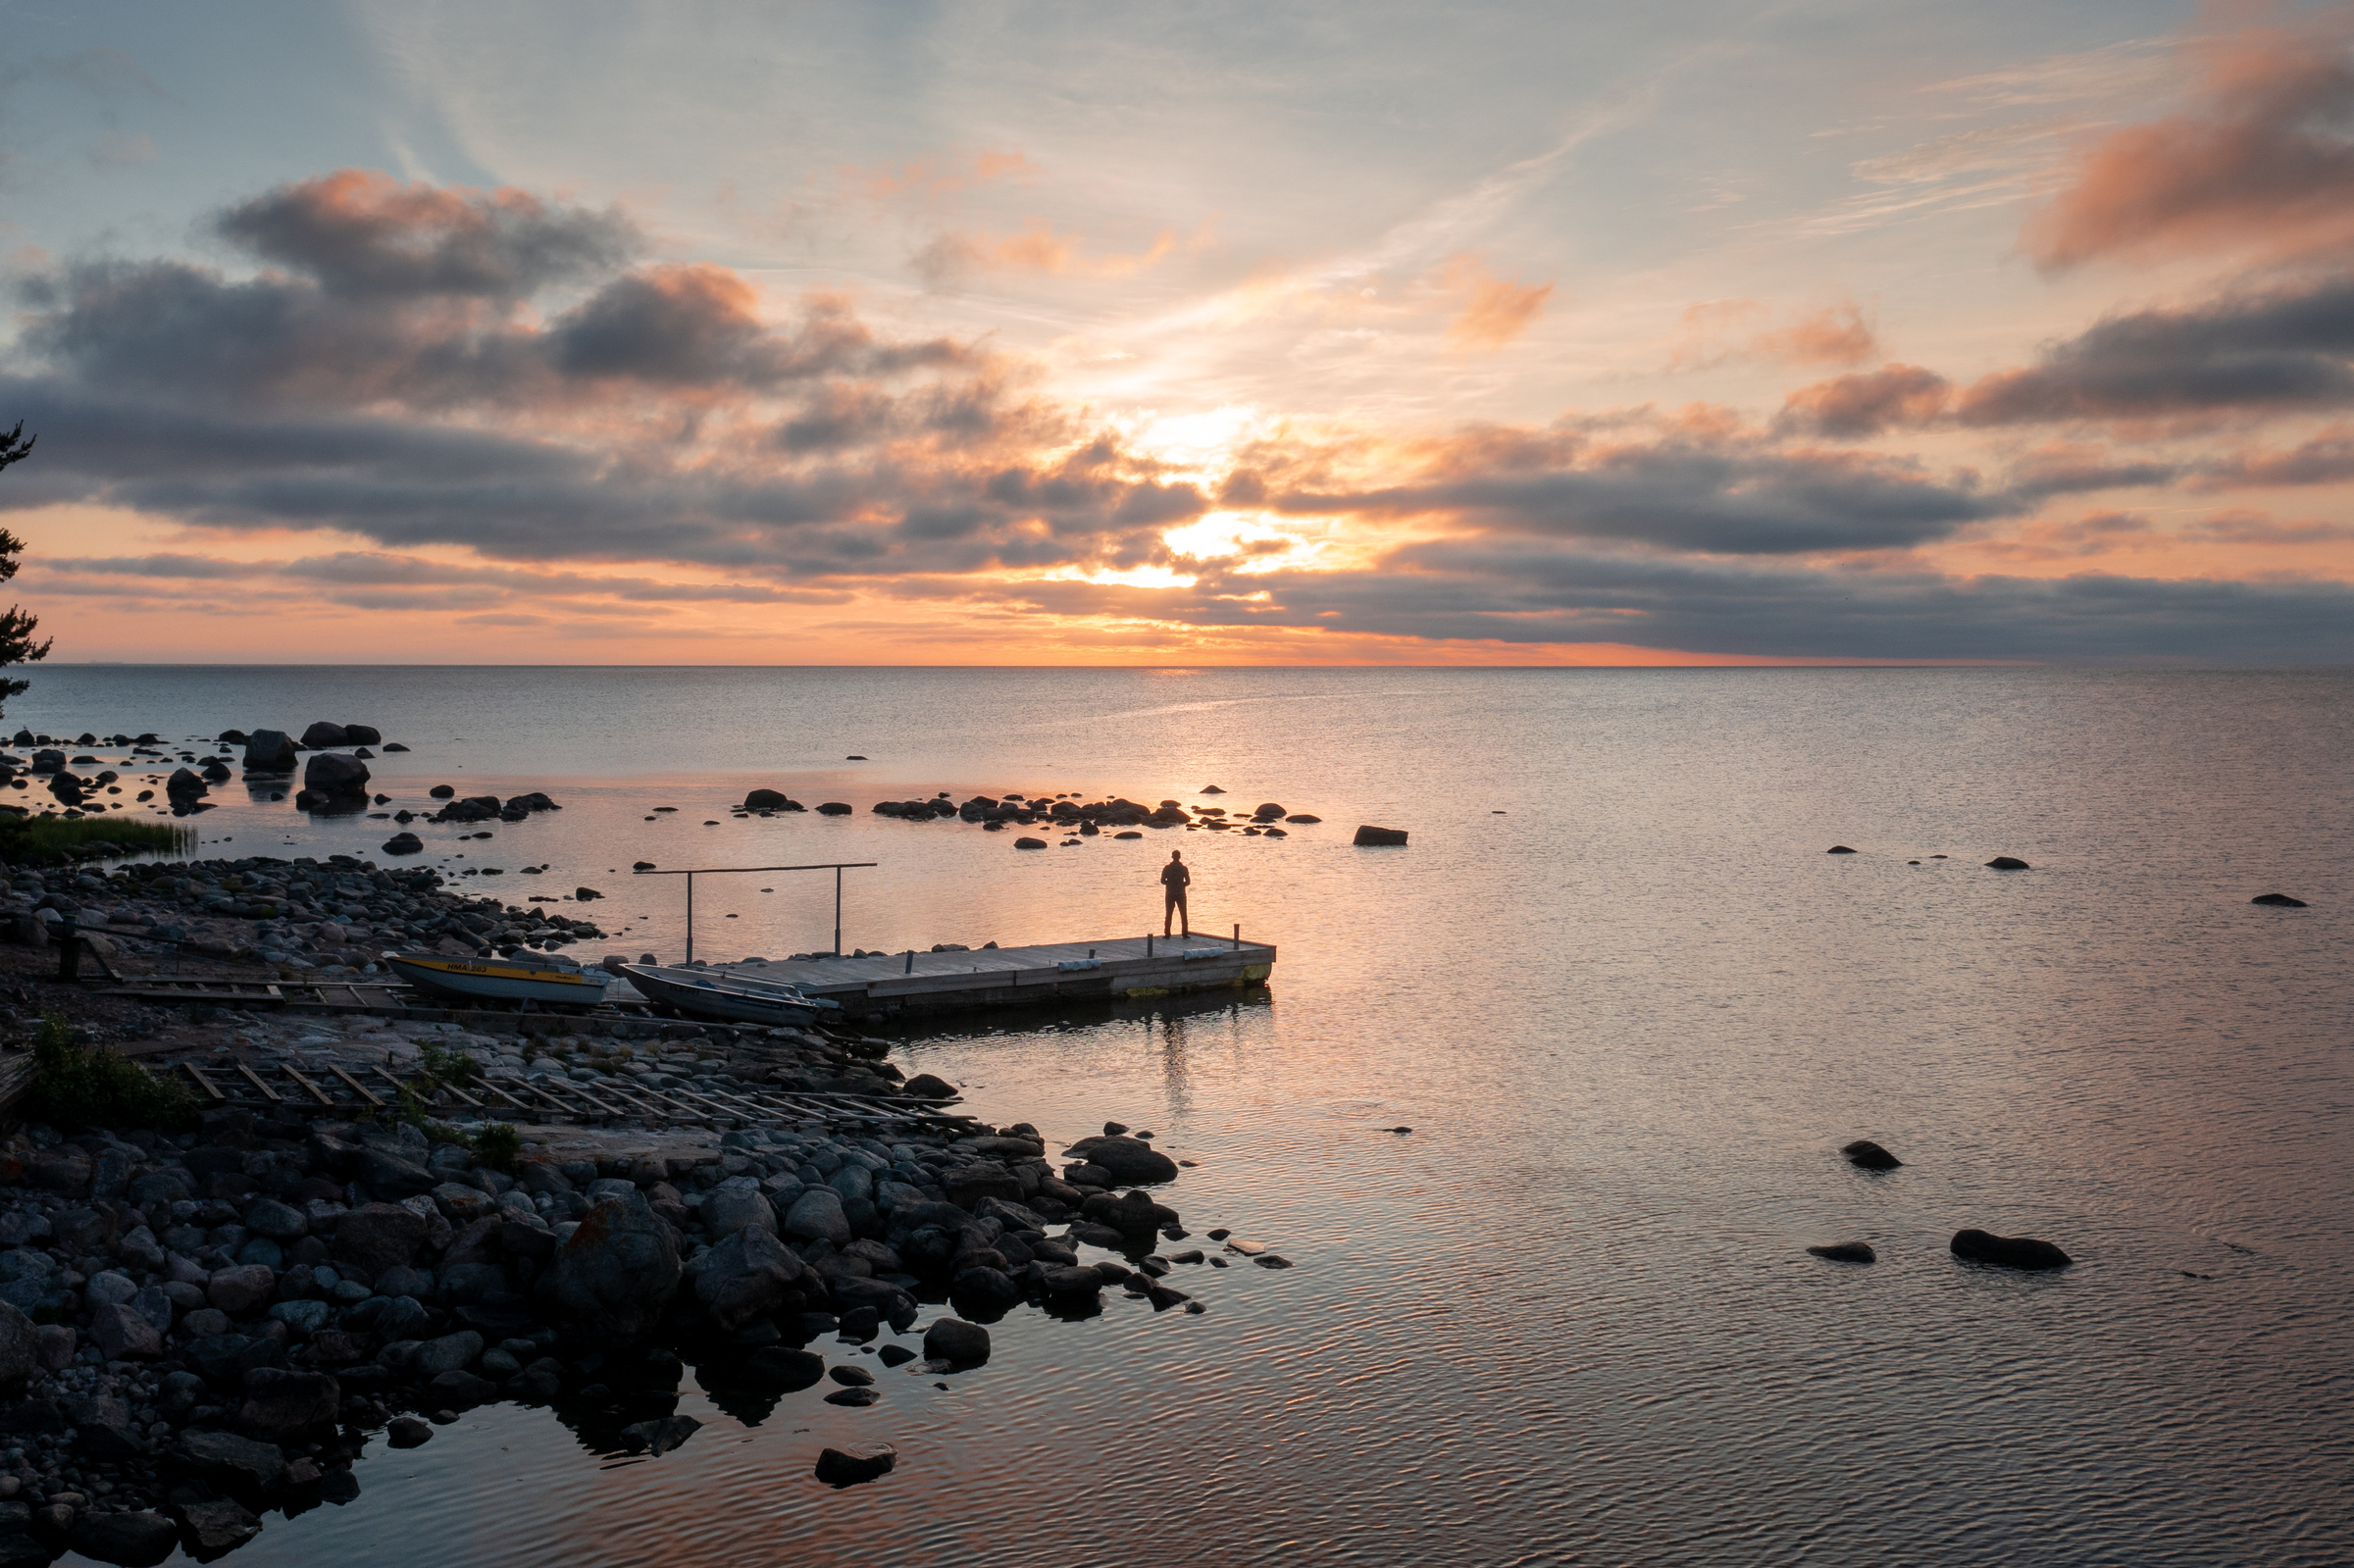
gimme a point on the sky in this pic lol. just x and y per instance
(1011, 333)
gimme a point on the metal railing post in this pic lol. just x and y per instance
(690, 916)
(838, 911)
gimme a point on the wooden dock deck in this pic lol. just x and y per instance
(1110, 969)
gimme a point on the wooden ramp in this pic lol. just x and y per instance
(1111, 969)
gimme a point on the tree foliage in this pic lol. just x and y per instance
(18, 625)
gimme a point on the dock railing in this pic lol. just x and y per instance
(837, 867)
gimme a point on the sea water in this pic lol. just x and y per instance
(1630, 1010)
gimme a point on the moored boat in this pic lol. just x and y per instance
(726, 995)
(524, 978)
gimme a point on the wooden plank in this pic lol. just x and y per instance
(253, 1078)
(203, 1083)
(354, 1085)
(317, 1093)
(494, 1091)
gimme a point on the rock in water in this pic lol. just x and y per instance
(744, 1277)
(408, 1432)
(614, 1278)
(847, 1467)
(1838, 849)
(1127, 1159)
(1867, 1155)
(270, 751)
(404, 843)
(363, 734)
(834, 808)
(335, 773)
(659, 1437)
(954, 1340)
(2279, 901)
(323, 734)
(216, 1528)
(2007, 863)
(1029, 844)
(1847, 1252)
(781, 1367)
(1379, 835)
(281, 1405)
(2009, 1251)
(134, 1540)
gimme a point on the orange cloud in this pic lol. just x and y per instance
(1035, 249)
(931, 178)
(1835, 335)
(1495, 310)
(2262, 161)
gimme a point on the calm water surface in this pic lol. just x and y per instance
(1630, 1010)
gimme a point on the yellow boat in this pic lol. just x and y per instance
(524, 978)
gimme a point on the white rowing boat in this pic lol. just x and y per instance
(727, 995)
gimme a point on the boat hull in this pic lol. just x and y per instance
(711, 997)
(491, 981)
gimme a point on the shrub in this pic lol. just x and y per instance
(84, 1086)
(497, 1147)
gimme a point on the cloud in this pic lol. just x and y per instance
(941, 175)
(2255, 528)
(948, 260)
(1847, 407)
(362, 235)
(2263, 160)
(2325, 457)
(1493, 311)
(1833, 334)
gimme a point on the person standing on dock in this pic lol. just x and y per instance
(1175, 878)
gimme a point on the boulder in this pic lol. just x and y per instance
(1127, 1159)
(764, 800)
(382, 1170)
(2279, 901)
(379, 1237)
(729, 1208)
(270, 751)
(241, 1463)
(184, 784)
(954, 1340)
(614, 1278)
(362, 734)
(847, 1467)
(281, 1405)
(336, 775)
(20, 1347)
(408, 1432)
(134, 1540)
(1028, 844)
(457, 1389)
(2007, 863)
(323, 734)
(404, 843)
(1838, 849)
(1072, 1280)
(787, 1370)
(216, 1528)
(1268, 811)
(240, 1289)
(925, 1086)
(746, 1278)
(658, 1437)
(1379, 835)
(834, 808)
(2009, 1251)
(124, 1333)
(1847, 1252)
(451, 1352)
(817, 1215)
(984, 1290)
(1867, 1155)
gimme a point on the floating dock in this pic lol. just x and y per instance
(1112, 969)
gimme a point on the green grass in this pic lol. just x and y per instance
(90, 1086)
(40, 840)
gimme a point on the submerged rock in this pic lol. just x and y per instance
(1127, 1159)
(847, 1467)
(1867, 1155)
(2279, 901)
(2009, 1251)
(1847, 1252)
(1838, 849)
(954, 1340)
(2007, 863)
(1379, 835)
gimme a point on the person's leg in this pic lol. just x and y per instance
(1184, 922)
(1170, 898)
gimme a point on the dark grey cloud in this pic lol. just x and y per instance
(2325, 459)
(364, 236)
(1732, 497)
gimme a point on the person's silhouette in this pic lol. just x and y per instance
(1175, 878)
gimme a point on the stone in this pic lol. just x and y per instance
(464, 1204)
(281, 1222)
(134, 1540)
(851, 1376)
(451, 1352)
(184, 785)
(954, 1340)
(817, 1215)
(323, 734)
(2279, 901)
(363, 734)
(2007, 863)
(924, 1085)
(282, 1404)
(408, 1432)
(20, 1347)
(614, 1277)
(1867, 1155)
(247, 1466)
(270, 751)
(457, 1389)
(729, 1208)
(242, 1288)
(1379, 835)
(834, 808)
(1838, 849)
(1127, 1159)
(213, 1527)
(764, 800)
(379, 1237)
(120, 1330)
(2009, 1251)
(337, 775)
(1847, 1252)
(847, 1467)
(853, 1396)
(786, 1369)
(1018, 843)
(746, 1278)
(403, 843)
(659, 1437)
